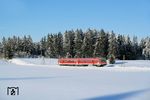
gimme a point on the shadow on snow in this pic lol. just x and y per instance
(119, 96)
(120, 62)
(26, 78)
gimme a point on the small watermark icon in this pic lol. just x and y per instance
(12, 90)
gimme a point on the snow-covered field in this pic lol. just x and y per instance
(43, 79)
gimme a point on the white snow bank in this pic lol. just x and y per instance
(39, 61)
(119, 66)
(3, 61)
(19, 62)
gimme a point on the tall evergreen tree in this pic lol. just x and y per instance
(135, 49)
(121, 47)
(9, 49)
(112, 44)
(1, 50)
(88, 46)
(128, 48)
(146, 50)
(141, 48)
(43, 44)
(78, 40)
(101, 45)
(68, 43)
(4, 43)
(55, 45)
(50, 52)
(59, 44)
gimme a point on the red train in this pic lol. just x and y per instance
(82, 61)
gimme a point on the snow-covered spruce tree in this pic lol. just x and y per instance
(1, 50)
(135, 48)
(1, 47)
(68, 43)
(128, 49)
(101, 45)
(14, 43)
(27, 46)
(36, 49)
(51, 51)
(141, 47)
(9, 48)
(4, 46)
(78, 40)
(30, 45)
(121, 46)
(113, 47)
(89, 40)
(106, 43)
(72, 36)
(4, 43)
(55, 45)
(20, 47)
(43, 43)
(59, 44)
(146, 50)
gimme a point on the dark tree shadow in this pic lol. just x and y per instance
(119, 96)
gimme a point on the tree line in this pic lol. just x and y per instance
(76, 43)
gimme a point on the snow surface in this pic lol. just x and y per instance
(43, 79)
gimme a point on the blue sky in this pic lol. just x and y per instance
(40, 17)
